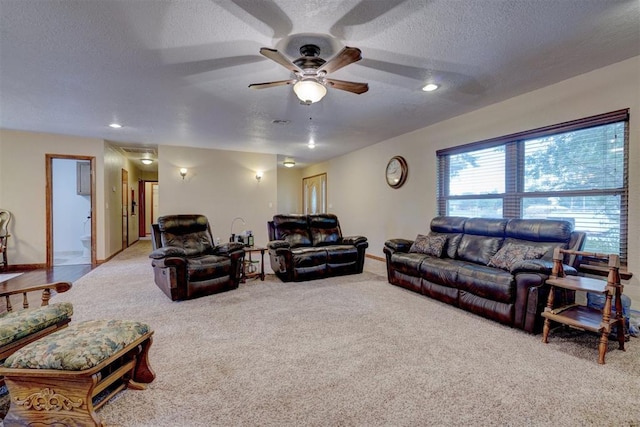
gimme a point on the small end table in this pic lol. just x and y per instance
(584, 317)
(248, 271)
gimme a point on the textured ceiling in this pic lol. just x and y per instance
(177, 72)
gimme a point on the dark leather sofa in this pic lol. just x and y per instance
(307, 247)
(464, 275)
(187, 264)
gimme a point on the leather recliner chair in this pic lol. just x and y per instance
(186, 262)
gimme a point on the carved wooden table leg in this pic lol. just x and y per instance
(606, 330)
(547, 323)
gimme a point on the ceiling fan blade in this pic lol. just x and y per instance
(276, 56)
(271, 84)
(348, 86)
(346, 56)
(268, 13)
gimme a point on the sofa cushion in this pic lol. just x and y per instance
(207, 267)
(308, 257)
(441, 271)
(408, 263)
(478, 249)
(325, 229)
(512, 253)
(292, 228)
(430, 245)
(452, 227)
(21, 323)
(487, 282)
(190, 232)
(547, 247)
(78, 347)
(451, 246)
(342, 254)
(481, 240)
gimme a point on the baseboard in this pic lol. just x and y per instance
(102, 261)
(21, 267)
(377, 258)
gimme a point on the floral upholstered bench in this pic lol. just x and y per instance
(63, 378)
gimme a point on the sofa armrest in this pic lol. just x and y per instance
(168, 251)
(539, 266)
(227, 249)
(278, 244)
(354, 240)
(399, 245)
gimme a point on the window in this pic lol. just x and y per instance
(577, 171)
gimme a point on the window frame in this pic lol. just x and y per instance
(512, 198)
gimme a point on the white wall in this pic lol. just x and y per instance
(366, 205)
(221, 185)
(23, 182)
(289, 190)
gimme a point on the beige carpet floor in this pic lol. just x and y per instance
(348, 351)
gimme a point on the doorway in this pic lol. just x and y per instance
(314, 194)
(70, 203)
(147, 206)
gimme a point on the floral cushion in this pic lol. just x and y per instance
(512, 253)
(21, 323)
(430, 245)
(78, 347)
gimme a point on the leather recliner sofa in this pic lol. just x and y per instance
(483, 266)
(307, 247)
(187, 264)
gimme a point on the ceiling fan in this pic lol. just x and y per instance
(310, 82)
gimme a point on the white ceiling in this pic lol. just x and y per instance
(177, 71)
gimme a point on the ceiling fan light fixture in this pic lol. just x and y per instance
(309, 91)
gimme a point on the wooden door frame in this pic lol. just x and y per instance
(49, 203)
(124, 184)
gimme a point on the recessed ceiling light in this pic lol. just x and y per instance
(146, 161)
(430, 87)
(115, 125)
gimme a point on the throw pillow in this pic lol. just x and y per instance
(430, 245)
(512, 253)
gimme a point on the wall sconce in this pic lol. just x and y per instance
(289, 163)
(258, 176)
(183, 172)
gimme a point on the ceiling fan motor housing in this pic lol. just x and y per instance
(310, 57)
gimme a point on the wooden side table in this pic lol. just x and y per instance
(583, 317)
(249, 263)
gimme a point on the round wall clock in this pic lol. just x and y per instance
(396, 172)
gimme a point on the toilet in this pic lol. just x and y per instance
(86, 245)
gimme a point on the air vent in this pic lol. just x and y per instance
(139, 150)
(281, 122)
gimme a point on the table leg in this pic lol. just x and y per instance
(547, 323)
(262, 264)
